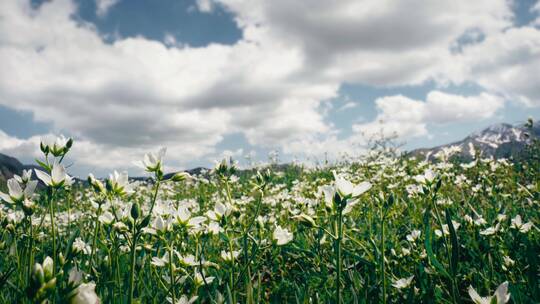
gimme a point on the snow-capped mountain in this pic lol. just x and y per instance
(499, 140)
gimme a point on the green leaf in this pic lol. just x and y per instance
(427, 243)
(5, 276)
(455, 245)
(43, 165)
(229, 295)
(69, 248)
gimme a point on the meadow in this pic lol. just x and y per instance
(382, 228)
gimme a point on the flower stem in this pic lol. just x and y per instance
(231, 273)
(53, 229)
(94, 242)
(171, 270)
(30, 250)
(154, 197)
(339, 228)
(132, 274)
(383, 270)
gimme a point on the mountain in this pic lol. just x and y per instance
(8, 167)
(499, 141)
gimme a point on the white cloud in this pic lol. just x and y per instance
(376, 43)
(123, 98)
(85, 156)
(507, 63)
(205, 6)
(135, 94)
(372, 42)
(536, 8)
(398, 115)
(406, 117)
(446, 108)
(103, 6)
(16, 146)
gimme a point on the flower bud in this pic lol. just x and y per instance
(69, 144)
(305, 220)
(61, 259)
(96, 184)
(48, 268)
(50, 285)
(37, 274)
(135, 211)
(44, 148)
(180, 176)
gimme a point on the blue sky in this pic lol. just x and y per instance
(211, 78)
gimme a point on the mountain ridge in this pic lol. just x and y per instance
(501, 140)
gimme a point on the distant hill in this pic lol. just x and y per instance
(8, 167)
(499, 141)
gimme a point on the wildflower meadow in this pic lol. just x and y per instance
(382, 228)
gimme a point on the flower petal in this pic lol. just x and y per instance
(15, 189)
(361, 188)
(44, 177)
(502, 293)
(30, 188)
(344, 186)
(6, 198)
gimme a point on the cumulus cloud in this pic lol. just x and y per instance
(506, 62)
(398, 115)
(136, 93)
(125, 97)
(375, 43)
(370, 42)
(16, 146)
(446, 108)
(405, 117)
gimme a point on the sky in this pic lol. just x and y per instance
(310, 79)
